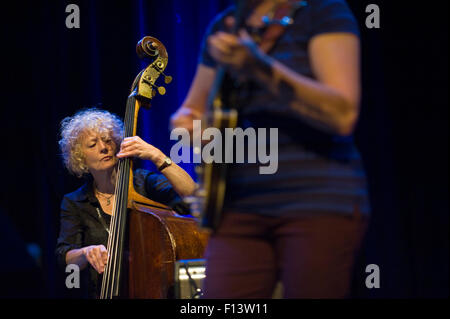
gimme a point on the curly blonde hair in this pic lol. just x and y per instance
(73, 128)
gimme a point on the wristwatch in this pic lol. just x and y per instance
(167, 162)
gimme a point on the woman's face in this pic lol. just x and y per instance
(99, 151)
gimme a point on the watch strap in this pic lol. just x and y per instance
(167, 162)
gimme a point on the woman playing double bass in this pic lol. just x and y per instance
(91, 144)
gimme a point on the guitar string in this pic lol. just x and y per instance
(105, 283)
(114, 268)
(111, 270)
(114, 235)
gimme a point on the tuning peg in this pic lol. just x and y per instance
(161, 89)
(167, 78)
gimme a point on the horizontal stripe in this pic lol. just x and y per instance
(300, 208)
(320, 175)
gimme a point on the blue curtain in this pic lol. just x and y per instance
(50, 72)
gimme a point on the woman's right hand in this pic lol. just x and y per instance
(184, 118)
(97, 256)
(196, 102)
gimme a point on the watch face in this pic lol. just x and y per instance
(167, 162)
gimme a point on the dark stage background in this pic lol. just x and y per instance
(49, 72)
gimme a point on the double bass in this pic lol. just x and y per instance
(146, 237)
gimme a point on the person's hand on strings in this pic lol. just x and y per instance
(97, 256)
(239, 53)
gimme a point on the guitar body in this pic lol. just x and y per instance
(221, 114)
(213, 175)
(157, 238)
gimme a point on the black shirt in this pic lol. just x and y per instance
(84, 223)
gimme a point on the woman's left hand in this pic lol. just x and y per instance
(136, 147)
(239, 53)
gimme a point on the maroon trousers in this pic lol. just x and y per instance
(313, 257)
